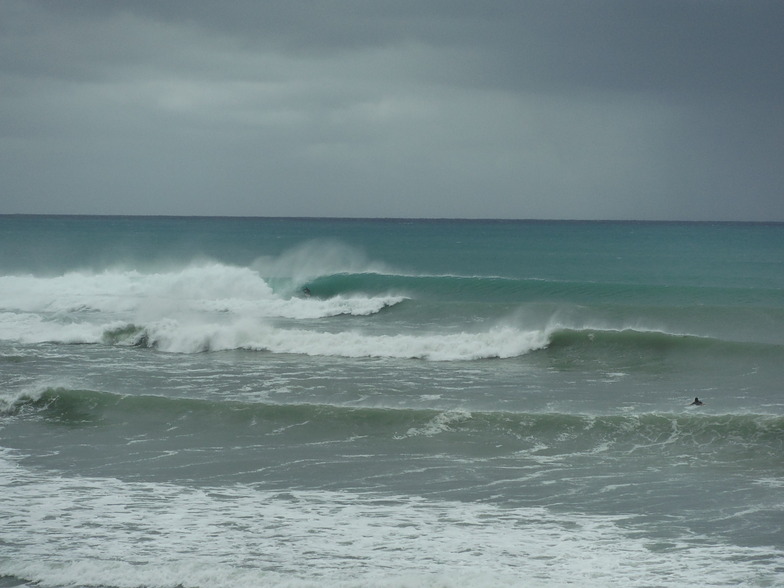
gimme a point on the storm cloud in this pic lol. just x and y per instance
(524, 109)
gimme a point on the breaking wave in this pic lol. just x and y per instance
(268, 308)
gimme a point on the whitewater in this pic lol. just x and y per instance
(217, 307)
(336, 402)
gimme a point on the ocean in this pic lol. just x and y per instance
(254, 402)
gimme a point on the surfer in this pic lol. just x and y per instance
(697, 402)
(306, 291)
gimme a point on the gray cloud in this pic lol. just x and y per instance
(666, 110)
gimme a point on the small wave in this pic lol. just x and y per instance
(564, 337)
(89, 407)
(644, 339)
(440, 423)
(541, 433)
(11, 404)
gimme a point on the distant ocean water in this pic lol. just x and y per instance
(208, 402)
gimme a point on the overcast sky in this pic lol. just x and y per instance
(649, 109)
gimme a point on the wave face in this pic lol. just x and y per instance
(216, 307)
(294, 402)
(322, 296)
(281, 481)
(183, 440)
(579, 433)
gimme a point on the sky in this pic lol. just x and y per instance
(546, 109)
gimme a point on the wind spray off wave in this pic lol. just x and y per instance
(213, 306)
(216, 307)
(181, 309)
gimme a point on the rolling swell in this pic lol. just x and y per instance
(547, 433)
(608, 343)
(72, 406)
(526, 289)
(437, 287)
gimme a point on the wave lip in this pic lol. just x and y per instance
(298, 309)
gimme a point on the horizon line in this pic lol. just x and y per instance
(393, 218)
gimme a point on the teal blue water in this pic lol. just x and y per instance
(302, 402)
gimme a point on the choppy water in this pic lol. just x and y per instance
(289, 402)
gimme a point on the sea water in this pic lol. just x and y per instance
(209, 402)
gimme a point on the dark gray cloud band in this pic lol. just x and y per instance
(649, 110)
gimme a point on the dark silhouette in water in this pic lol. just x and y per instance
(697, 402)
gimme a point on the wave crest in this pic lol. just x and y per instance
(503, 342)
(541, 433)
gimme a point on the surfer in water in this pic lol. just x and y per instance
(697, 402)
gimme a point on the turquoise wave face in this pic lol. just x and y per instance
(670, 254)
(491, 289)
(178, 281)
(216, 307)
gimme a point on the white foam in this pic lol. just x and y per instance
(208, 287)
(214, 306)
(10, 399)
(187, 309)
(60, 531)
(770, 482)
(497, 342)
(440, 423)
(131, 291)
(33, 328)
(174, 336)
(219, 307)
